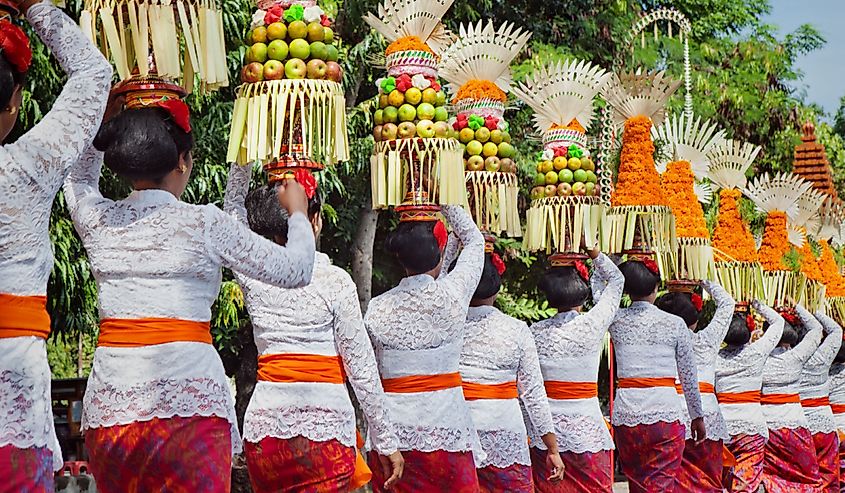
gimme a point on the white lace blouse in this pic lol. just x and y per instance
(837, 393)
(499, 349)
(322, 318)
(740, 369)
(650, 343)
(569, 345)
(156, 257)
(814, 377)
(782, 375)
(417, 328)
(706, 344)
(31, 173)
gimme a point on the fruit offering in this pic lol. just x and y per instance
(486, 146)
(410, 106)
(564, 172)
(291, 41)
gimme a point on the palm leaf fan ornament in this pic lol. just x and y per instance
(564, 206)
(414, 164)
(689, 139)
(807, 218)
(639, 94)
(477, 67)
(832, 216)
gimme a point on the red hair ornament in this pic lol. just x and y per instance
(750, 323)
(179, 112)
(651, 265)
(697, 302)
(498, 263)
(15, 46)
(440, 234)
(582, 271)
(307, 180)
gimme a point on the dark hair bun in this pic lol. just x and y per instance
(790, 335)
(9, 80)
(490, 282)
(264, 214)
(564, 287)
(679, 304)
(639, 281)
(738, 333)
(840, 356)
(414, 245)
(142, 144)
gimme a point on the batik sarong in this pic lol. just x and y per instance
(841, 462)
(515, 479)
(587, 472)
(701, 467)
(29, 470)
(827, 455)
(176, 455)
(747, 474)
(430, 472)
(298, 465)
(650, 455)
(790, 465)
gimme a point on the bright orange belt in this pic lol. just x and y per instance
(313, 368)
(140, 332)
(645, 382)
(571, 390)
(747, 397)
(780, 399)
(479, 391)
(838, 408)
(421, 383)
(815, 402)
(24, 316)
(703, 387)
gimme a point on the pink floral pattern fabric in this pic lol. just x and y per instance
(430, 472)
(650, 455)
(587, 472)
(26, 470)
(299, 465)
(827, 455)
(747, 475)
(513, 479)
(790, 465)
(701, 467)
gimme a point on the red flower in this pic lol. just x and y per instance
(403, 82)
(307, 180)
(697, 302)
(561, 151)
(750, 323)
(582, 270)
(651, 265)
(491, 122)
(498, 263)
(440, 234)
(325, 21)
(790, 318)
(434, 84)
(179, 112)
(460, 124)
(274, 14)
(15, 46)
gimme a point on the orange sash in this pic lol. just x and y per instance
(478, 391)
(24, 316)
(780, 399)
(645, 382)
(421, 383)
(838, 408)
(703, 387)
(747, 397)
(313, 368)
(140, 332)
(815, 402)
(571, 390)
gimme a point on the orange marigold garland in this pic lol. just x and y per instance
(809, 264)
(731, 236)
(775, 243)
(407, 43)
(677, 184)
(480, 89)
(831, 277)
(638, 183)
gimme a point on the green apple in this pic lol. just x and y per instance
(492, 164)
(441, 98)
(506, 150)
(475, 163)
(295, 69)
(277, 50)
(407, 113)
(425, 111)
(565, 176)
(587, 164)
(580, 175)
(538, 193)
(328, 35)
(378, 116)
(429, 96)
(496, 136)
(506, 137)
(391, 114)
(413, 96)
(474, 148)
(489, 149)
(257, 53)
(299, 48)
(540, 179)
(590, 189)
(579, 189)
(441, 114)
(466, 135)
(425, 129)
(332, 53)
(319, 50)
(591, 177)
(551, 178)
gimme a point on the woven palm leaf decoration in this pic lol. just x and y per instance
(565, 207)
(831, 218)
(414, 163)
(778, 196)
(800, 228)
(477, 68)
(178, 40)
(639, 215)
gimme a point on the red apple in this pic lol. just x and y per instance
(406, 130)
(564, 189)
(316, 69)
(334, 72)
(253, 72)
(389, 131)
(475, 163)
(551, 190)
(274, 70)
(377, 133)
(492, 164)
(441, 130)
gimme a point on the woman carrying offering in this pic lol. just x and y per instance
(499, 369)
(299, 427)
(652, 348)
(837, 405)
(701, 469)
(417, 329)
(570, 345)
(739, 378)
(815, 399)
(158, 412)
(790, 460)
(31, 174)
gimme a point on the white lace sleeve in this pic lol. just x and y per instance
(713, 335)
(529, 380)
(453, 244)
(82, 186)
(823, 356)
(687, 372)
(359, 361)
(238, 248)
(805, 349)
(464, 278)
(771, 337)
(237, 186)
(607, 304)
(52, 146)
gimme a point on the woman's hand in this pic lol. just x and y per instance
(291, 197)
(555, 463)
(393, 466)
(697, 430)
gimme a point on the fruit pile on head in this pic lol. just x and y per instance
(409, 107)
(292, 43)
(487, 147)
(565, 172)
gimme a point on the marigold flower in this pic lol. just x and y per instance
(830, 272)
(638, 182)
(480, 89)
(731, 235)
(407, 43)
(775, 243)
(677, 183)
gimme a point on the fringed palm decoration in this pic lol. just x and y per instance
(805, 224)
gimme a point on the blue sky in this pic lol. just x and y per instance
(824, 70)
